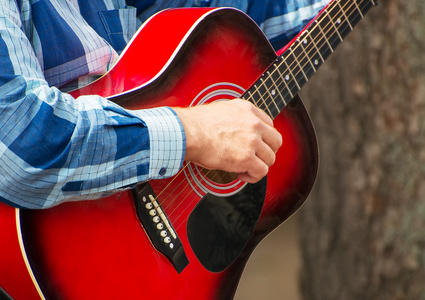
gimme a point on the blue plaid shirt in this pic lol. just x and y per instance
(55, 148)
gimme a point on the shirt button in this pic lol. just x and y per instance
(162, 171)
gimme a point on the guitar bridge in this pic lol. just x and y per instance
(157, 226)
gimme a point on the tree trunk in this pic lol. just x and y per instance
(363, 228)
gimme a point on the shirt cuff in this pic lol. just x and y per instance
(167, 141)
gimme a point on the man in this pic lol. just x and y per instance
(55, 148)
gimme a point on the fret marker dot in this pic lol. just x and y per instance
(273, 92)
(316, 62)
(305, 41)
(338, 21)
(287, 77)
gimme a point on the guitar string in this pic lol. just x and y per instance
(192, 181)
(311, 48)
(182, 201)
(332, 24)
(177, 219)
(188, 203)
(308, 54)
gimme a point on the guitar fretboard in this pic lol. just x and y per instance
(300, 61)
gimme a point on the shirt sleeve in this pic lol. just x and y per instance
(282, 20)
(54, 148)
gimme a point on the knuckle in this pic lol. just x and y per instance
(272, 160)
(252, 141)
(280, 140)
(243, 104)
(256, 124)
(262, 171)
(247, 157)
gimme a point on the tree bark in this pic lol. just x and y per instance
(363, 228)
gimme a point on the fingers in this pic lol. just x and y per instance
(233, 136)
(272, 138)
(258, 165)
(270, 135)
(254, 173)
(266, 154)
(265, 150)
(263, 116)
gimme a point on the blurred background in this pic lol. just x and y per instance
(273, 269)
(361, 233)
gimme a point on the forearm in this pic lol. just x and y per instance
(56, 148)
(66, 149)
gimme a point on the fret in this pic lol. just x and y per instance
(331, 15)
(250, 96)
(330, 31)
(277, 76)
(259, 100)
(271, 91)
(338, 2)
(303, 52)
(298, 56)
(291, 70)
(288, 75)
(354, 14)
(269, 88)
(366, 5)
(285, 77)
(263, 91)
(313, 53)
(294, 68)
(303, 59)
(276, 90)
(317, 59)
(325, 48)
(341, 21)
(292, 88)
(358, 9)
(308, 52)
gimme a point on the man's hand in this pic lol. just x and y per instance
(233, 136)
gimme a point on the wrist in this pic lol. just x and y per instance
(192, 131)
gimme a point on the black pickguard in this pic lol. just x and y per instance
(219, 228)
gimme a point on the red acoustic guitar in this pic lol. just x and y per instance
(190, 236)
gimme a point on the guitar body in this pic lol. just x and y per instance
(100, 249)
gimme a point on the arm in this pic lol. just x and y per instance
(56, 148)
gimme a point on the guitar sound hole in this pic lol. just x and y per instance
(219, 177)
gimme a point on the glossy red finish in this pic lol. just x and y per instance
(141, 61)
(98, 249)
(15, 278)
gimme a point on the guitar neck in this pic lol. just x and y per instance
(301, 58)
